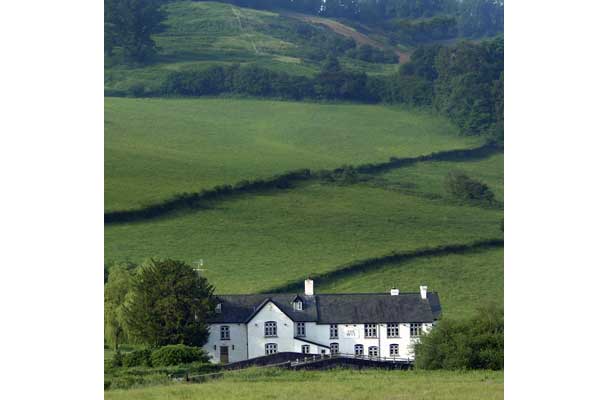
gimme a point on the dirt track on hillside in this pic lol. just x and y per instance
(347, 31)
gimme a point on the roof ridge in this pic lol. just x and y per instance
(322, 294)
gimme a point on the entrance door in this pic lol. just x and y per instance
(224, 354)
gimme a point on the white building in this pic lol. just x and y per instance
(367, 324)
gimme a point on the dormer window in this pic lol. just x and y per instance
(297, 304)
(218, 308)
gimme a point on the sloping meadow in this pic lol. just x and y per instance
(155, 148)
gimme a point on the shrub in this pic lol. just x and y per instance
(117, 360)
(476, 343)
(138, 358)
(125, 378)
(461, 187)
(177, 354)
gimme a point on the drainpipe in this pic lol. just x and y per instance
(379, 341)
(247, 341)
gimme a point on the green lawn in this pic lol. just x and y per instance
(155, 148)
(336, 384)
(463, 281)
(258, 242)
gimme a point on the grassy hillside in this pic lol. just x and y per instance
(428, 178)
(259, 242)
(201, 34)
(155, 148)
(337, 384)
(463, 281)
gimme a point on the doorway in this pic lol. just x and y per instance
(224, 355)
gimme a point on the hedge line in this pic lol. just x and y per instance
(370, 264)
(204, 198)
(200, 199)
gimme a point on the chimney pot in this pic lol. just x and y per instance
(309, 287)
(394, 292)
(423, 292)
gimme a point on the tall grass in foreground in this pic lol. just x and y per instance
(337, 384)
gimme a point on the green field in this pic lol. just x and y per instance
(256, 243)
(428, 178)
(155, 148)
(203, 34)
(463, 281)
(158, 147)
(338, 384)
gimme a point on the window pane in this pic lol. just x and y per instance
(358, 349)
(335, 348)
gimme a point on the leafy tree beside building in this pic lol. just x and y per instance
(168, 303)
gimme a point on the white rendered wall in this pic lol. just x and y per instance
(352, 334)
(256, 331)
(237, 343)
(249, 341)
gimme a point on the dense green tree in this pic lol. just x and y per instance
(169, 303)
(475, 343)
(129, 24)
(464, 89)
(115, 293)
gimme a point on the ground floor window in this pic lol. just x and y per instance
(373, 351)
(394, 350)
(358, 350)
(270, 348)
(335, 348)
(306, 349)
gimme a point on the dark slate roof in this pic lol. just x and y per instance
(334, 308)
(240, 308)
(434, 302)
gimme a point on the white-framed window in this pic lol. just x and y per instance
(359, 350)
(393, 330)
(416, 329)
(334, 348)
(370, 330)
(225, 332)
(333, 331)
(394, 350)
(373, 351)
(270, 348)
(270, 328)
(300, 329)
(306, 349)
(298, 305)
(218, 308)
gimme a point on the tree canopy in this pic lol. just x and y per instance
(168, 303)
(476, 343)
(129, 24)
(116, 289)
